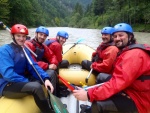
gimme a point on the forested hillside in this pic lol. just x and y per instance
(37, 12)
(109, 12)
(76, 13)
(34, 12)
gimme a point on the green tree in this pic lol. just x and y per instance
(78, 9)
(57, 21)
(36, 19)
(75, 20)
(84, 23)
(4, 11)
(20, 12)
(98, 7)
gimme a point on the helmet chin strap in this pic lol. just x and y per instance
(15, 40)
(36, 39)
(58, 39)
(111, 40)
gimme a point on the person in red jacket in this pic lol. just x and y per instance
(45, 57)
(104, 57)
(129, 88)
(55, 45)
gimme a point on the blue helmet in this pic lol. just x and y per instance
(107, 30)
(123, 27)
(42, 29)
(63, 34)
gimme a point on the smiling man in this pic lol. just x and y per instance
(129, 88)
(56, 45)
(15, 82)
(104, 57)
(45, 57)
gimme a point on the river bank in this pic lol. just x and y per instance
(136, 27)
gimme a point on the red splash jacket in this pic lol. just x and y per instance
(46, 55)
(107, 54)
(129, 66)
(57, 49)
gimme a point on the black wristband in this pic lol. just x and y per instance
(46, 79)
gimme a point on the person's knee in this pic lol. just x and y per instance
(36, 87)
(103, 77)
(103, 107)
(84, 62)
(64, 64)
(67, 63)
(53, 76)
(95, 108)
(53, 79)
(52, 73)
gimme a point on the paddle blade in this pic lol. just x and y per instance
(80, 40)
(57, 104)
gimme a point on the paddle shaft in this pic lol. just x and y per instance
(71, 87)
(79, 40)
(30, 50)
(87, 78)
(33, 66)
(69, 49)
(29, 60)
(86, 88)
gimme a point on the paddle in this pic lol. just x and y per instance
(78, 41)
(87, 78)
(71, 87)
(55, 102)
(88, 87)
(95, 59)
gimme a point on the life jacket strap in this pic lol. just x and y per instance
(144, 77)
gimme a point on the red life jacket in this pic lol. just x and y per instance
(38, 51)
(145, 48)
(100, 48)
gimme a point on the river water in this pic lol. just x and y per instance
(92, 37)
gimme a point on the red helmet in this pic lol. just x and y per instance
(19, 28)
